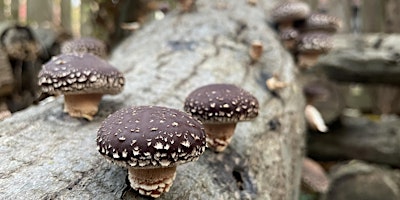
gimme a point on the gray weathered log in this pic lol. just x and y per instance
(358, 138)
(367, 59)
(360, 180)
(45, 154)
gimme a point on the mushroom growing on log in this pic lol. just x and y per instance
(288, 12)
(321, 22)
(162, 63)
(85, 45)
(310, 46)
(220, 107)
(151, 141)
(83, 79)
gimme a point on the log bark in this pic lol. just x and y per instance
(358, 138)
(48, 155)
(360, 180)
(370, 59)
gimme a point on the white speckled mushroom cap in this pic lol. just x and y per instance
(289, 34)
(290, 11)
(75, 73)
(85, 45)
(322, 22)
(150, 137)
(221, 103)
(315, 42)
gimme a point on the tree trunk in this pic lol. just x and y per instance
(48, 155)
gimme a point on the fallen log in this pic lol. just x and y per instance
(358, 138)
(48, 155)
(369, 59)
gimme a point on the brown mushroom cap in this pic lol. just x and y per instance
(85, 45)
(75, 73)
(221, 103)
(315, 42)
(150, 137)
(321, 22)
(290, 11)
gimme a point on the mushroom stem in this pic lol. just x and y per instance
(289, 44)
(307, 60)
(82, 105)
(219, 135)
(151, 181)
(284, 25)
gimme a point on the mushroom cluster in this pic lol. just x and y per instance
(82, 78)
(220, 107)
(151, 141)
(304, 33)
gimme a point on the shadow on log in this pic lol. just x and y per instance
(48, 155)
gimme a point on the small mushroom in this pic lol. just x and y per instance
(150, 141)
(314, 119)
(310, 46)
(85, 45)
(83, 79)
(274, 83)
(220, 107)
(256, 50)
(288, 38)
(286, 13)
(313, 177)
(252, 2)
(321, 22)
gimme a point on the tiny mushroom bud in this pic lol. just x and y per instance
(151, 141)
(313, 177)
(85, 45)
(256, 50)
(310, 46)
(252, 2)
(220, 107)
(273, 83)
(314, 119)
(83, 79)
(286, 13)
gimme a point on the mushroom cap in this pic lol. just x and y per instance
(221, 103)
(85, 45)
(315, 42)
(291, 11)
(289, 34)
(151, 137)
(75, 73)
(322, 22)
